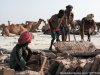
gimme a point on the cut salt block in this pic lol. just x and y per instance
(3, 57)
(96, 64)
(74, 46)
(8, 71)
(53, 68)
(60, 68)
(87, 67)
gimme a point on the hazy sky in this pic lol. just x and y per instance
(21, 10)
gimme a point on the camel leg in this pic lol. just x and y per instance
(7, 32)
(3, 32)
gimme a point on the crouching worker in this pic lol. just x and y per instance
(88, 27)
(21, 53)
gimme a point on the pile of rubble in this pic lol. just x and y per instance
(38, 67)
(75, 58)
(75, 66)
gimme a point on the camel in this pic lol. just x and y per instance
(14, 29)
(46, 28)
(2, 25)
(76, 27)
(77, 24)
(28, 25)
(32, 26)
(19, 28)
(98, 26)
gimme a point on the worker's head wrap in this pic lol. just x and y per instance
(25, 37)
(90, 16)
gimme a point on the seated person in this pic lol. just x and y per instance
(21, 53)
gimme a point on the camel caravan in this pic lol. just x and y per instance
(33, 26)
(17, 29)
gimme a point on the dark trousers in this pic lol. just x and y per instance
(64, 32)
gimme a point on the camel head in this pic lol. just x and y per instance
(2, 26)
(9, 22)
(40, 20)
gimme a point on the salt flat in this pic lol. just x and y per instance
(41, 41)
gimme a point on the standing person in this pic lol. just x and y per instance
(21, 53)
(87, 27)
(68, 20)
(54, 23)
